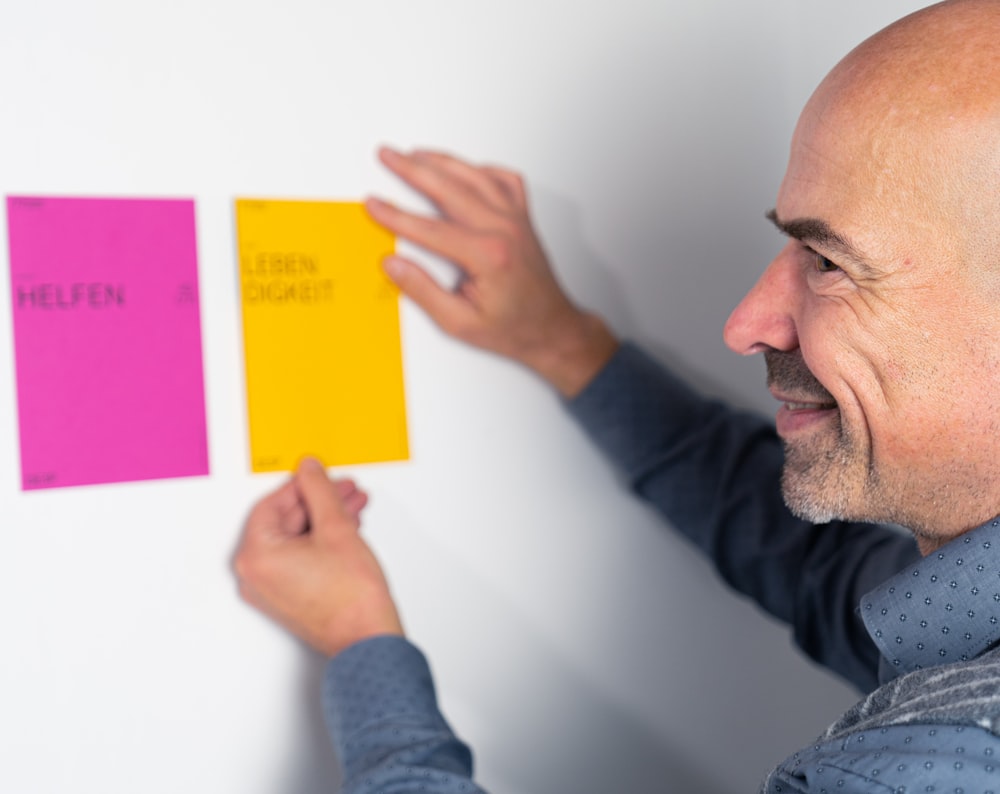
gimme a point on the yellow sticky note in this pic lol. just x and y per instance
(324, 369)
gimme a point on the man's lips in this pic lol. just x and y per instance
(803, 402)
(798, 413)
(791, 405)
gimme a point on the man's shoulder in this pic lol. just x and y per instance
(963, 693)
(938, 725)
(894, 758)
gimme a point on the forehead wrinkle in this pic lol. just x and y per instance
(815, 230)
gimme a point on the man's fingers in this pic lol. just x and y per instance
(460, 191)
(512, 185)
(352, 497)
(279, 499)
(294, 520)
(344, 487)
(451, 312)
(472, 250)
(323, 504)
(274, 522)
(482, 180)
(355, 502)
(275, 513)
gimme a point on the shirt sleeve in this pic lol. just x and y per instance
(714, 474)
(382, 714)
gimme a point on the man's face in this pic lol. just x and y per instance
(876, 327)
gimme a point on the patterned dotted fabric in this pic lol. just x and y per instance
(934, 726)
(381, 710)
(944, 759)
(944, 609)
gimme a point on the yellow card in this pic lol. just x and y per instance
(324, 368)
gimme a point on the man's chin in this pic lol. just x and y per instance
(814, 483)
(809, 507)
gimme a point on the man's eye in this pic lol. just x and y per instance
(824, 265)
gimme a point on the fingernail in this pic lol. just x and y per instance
(309, 462)
(394, 266)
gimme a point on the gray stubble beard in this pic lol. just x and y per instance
(816, 481)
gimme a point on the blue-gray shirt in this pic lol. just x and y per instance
(859, 599)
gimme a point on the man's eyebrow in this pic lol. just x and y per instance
(815, 230)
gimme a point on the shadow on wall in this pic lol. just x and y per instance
(589, 280)
(576, 740)
(595, 285)
(316, 769)
(676, 172)
(570, 740)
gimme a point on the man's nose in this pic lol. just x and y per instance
(765, 318)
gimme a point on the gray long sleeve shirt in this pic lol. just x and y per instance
(923, 641)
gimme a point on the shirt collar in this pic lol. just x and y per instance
(944, 608)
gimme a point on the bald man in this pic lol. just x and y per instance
(878, 327)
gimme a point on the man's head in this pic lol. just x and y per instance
(880, 319)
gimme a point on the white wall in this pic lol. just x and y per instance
(557, 612)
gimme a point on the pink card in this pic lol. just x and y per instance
(107, 340)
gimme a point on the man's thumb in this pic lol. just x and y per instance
(324, 506)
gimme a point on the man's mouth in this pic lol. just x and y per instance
(797, 416)
(792, 384)
(796, 406)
